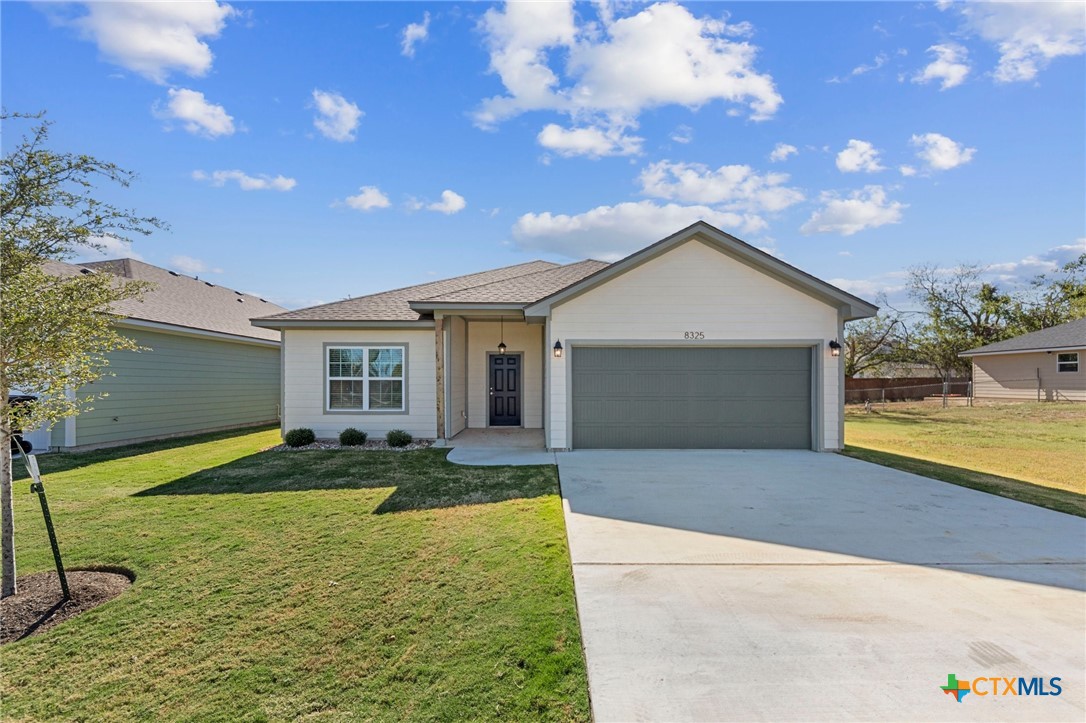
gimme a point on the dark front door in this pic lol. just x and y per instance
(504, 390)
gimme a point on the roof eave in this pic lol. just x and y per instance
(1032, 350)
(341, 324)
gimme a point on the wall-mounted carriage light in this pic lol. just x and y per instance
(835, 348)
(558, 349)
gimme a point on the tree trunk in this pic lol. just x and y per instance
(7, 519)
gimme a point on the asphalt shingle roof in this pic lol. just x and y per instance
(523, 289)
(1065, 336)
(395, 305)
(182, 300)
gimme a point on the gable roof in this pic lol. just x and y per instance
(180, 300)
(395, 305)
(1071, 335)
(854, 306)
(537, 285)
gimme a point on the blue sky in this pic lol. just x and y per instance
(310, 151)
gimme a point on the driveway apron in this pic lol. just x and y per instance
(785, 585)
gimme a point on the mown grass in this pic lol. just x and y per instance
(1034, 453)
(327, 585)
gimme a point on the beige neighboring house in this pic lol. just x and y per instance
(1047, 365)
(206, 367)
(697, 341)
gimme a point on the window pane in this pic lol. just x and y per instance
(1071, 357)
(346, 362)
(386, 363)
(386, 395)
(345, 395)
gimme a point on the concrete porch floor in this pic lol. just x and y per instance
(499, 446)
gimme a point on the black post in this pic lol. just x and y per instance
(37, 486)
(40, 489)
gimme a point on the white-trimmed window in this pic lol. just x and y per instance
(1067, 362)
(365, 378)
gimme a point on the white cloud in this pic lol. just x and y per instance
(451, 202)
(781, 151)
(734, 188)
(196, 113)
(951, 65)
(907, 170)
(153, 38)
(859, 156)
(259, 182)
(190, 265)
(683, 134)
(368, 198)
(593, 142)
(863, 209)
(940, 153)
(610, 232)
(870, 288)
(1029, 35)
(862, 69)
(619, 66)
(414, 33)
(109, 247)
(337, 118)
(1024, 269)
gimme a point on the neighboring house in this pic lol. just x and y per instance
(698, 341)
(1046, 365)
(205, 366)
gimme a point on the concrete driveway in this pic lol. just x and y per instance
(757, 585)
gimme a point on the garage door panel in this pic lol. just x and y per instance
(691, 398)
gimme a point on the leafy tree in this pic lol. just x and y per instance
(1051, 300)
(55, 326)
(961, 312)
(871, 344)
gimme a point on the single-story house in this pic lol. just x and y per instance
(205, 368)
(1046, 365)
(697, 341)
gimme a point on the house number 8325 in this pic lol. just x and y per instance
(693, 335)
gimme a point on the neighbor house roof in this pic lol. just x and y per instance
(180, 300)
(1071, 335)
(531, 281)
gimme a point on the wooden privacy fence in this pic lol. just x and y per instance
(900, 389)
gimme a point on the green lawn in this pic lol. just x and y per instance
(329, 585)
(1035, 453)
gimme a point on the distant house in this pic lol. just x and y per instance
(1046, 365)
(206, 367)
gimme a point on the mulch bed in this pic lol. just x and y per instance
(37, 606)
(370, 445)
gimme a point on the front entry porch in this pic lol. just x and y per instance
(499, 446)
(491, 376)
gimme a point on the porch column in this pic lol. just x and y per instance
(439, 351)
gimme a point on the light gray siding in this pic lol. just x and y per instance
(456, 368)
(181, 384)
(692, 398)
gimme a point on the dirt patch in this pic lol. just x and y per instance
(38, 605)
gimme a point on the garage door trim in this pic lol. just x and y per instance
(815, 345)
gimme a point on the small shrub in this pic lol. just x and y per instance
(398, 438)
(299, 437)
(351, 437)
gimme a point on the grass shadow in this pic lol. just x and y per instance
(59, 462)
(422, 479)
(1065, 501)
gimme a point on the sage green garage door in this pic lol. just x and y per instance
(691, 398)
